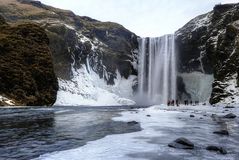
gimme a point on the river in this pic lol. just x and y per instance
(27, 133)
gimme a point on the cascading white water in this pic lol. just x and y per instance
(157, 70)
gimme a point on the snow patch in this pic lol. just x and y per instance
(194, 24)
(202, 21)
(68, 26)
(231, 87)
(7, 101)
(86, 88)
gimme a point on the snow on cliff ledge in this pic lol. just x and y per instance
(86, 88)
(6, 101)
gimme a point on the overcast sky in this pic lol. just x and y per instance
(143, 17)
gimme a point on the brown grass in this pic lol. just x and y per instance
(21, 8)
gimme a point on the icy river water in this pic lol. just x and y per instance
(115, 133)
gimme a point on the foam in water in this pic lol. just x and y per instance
(157, 70)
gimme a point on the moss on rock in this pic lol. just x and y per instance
(26, 67)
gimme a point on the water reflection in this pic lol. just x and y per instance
(28, 133)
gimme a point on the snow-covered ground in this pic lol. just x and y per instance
(7, 101)
(162, 125)
(86, 88)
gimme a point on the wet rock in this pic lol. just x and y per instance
(230, 116)
(192, 116)
(214, 115)
(229, 107)
(217, 149)
(222, 132)
(181, 143)
(132, 123)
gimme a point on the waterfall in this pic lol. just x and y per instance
(157, 70)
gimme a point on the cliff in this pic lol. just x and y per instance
(209, 44)
(26, 68)
(108, 46)
(81, 46)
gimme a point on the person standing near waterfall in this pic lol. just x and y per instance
(186, 102)
(172, 103)
(169, 103)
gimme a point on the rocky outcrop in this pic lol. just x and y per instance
(81, 47)
(209, 44)
(181, 143)
(26, 68)
(230, 116)
(221, 150)
(74, 40)
(222, 132)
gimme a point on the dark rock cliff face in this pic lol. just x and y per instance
(76, 40)
(209, 44)
(26, 68)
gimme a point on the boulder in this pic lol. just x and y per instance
(213, 115)
(192, 116)
(181, 143)
(222, 132)
(132, 123)
(230, 116)
(229, 107)
(216, 149)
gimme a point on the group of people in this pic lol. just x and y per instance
(186, 103)
(173, 103)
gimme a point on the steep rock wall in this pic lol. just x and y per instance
(209, 44)
(26, 68)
